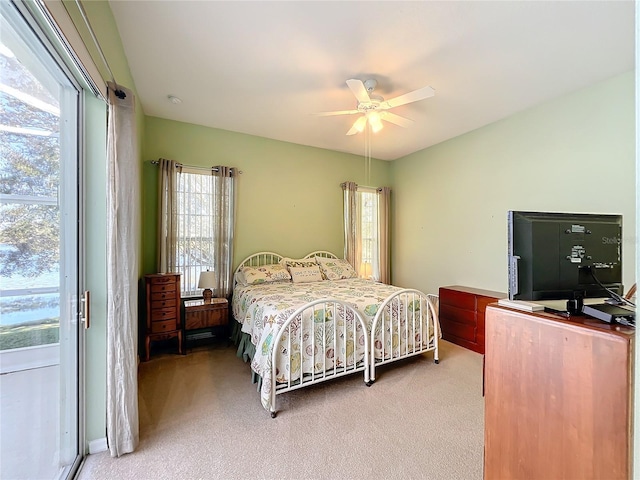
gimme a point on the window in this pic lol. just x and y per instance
(37, 160)
(196, 233)
(195, 230)
(366, 222)
(368, 200)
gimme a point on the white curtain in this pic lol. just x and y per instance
(384, 261)
(123, 232)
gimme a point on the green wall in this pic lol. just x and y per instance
(574, 154)
(289, 198)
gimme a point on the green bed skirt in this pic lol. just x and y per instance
(245, 349)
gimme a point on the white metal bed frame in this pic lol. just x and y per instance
(413, 328)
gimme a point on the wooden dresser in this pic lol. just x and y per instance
(162, 310)
(558, 397)
(462, 314)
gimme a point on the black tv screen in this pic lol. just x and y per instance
(555, 256)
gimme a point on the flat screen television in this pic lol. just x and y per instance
(558, 256)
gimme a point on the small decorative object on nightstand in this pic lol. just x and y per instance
(207, 281)
(202, 318)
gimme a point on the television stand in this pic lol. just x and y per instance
(558, 396)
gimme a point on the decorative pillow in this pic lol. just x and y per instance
(264, 274)
(336, 268)
(305, 274)
(239, 278)
(299, 262)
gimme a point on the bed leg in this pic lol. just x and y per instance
(273, 414)
(369, 383)
(437, 361)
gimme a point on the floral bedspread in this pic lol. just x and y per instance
(262, 309)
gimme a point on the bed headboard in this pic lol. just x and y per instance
(269, 258)
(259, 259)
(320, 253)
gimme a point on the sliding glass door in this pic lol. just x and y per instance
(39, 257)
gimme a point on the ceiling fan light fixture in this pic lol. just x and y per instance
(360, 124)
(374, 107)
(375, 122)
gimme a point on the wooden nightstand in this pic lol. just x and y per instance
(203, 320)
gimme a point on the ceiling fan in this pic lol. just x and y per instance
(374, 108)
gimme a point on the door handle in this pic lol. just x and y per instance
(86, 309)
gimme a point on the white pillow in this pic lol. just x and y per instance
(336, 268)
(240, 278)
(305, 274)
(298, 262)
(264, 274)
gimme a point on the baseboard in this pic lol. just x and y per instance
(98, 445)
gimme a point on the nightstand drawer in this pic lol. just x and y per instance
(206, 318)
(166, 326)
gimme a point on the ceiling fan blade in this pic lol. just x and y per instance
(420, 94)
(358, 126)
(339, 112)
(396, 119)
(359, 90)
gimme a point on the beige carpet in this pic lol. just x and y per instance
(201, 418)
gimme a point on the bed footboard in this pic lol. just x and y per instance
(319, 341)
(406, 324)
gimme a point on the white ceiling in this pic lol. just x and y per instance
(263, 68)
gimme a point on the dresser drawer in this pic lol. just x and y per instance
(461, 300)
(460, 331)
(450, 314)
(163, 288)
(484, 301)
(157, 304)
(161, 296)
(165, 326)
(163, 314)
(158, 279)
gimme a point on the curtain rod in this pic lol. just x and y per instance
(119, 93)
(377, 189)
(212, 169)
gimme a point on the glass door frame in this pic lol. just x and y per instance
(31, 15)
